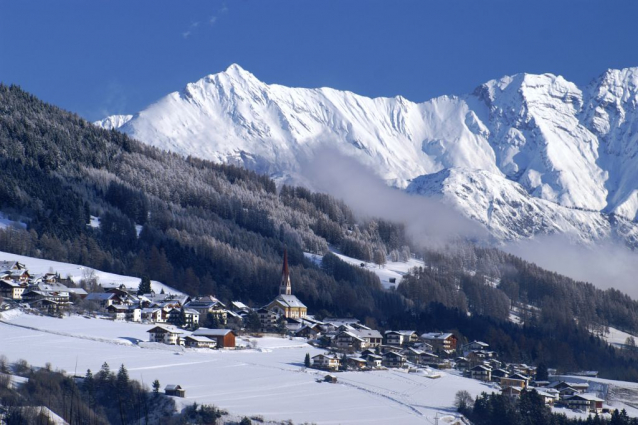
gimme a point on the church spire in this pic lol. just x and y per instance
(285, 287)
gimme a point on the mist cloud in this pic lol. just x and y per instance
(432, 223)
(605, 264)
(429, 221)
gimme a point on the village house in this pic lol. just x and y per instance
(401, 337)
(209, 305)
(309, 332)
(499, 373)
(420, 357)
(190, 317)
(103, 299)
(11, 265)
(225, 338)
(392, 359)
(461, 363)
(481, 373)
(11, 290)
(153, 315)
(475, 346)
(125, 312)
(356, 363)
(374, 361)
(194, 341)
(325, 361)
(513, 382)
(440, 342)
(512, 392)
(165, 335)
(586, 402)
(267, 318)
(347, 340)
(175, 391)
(238, 306)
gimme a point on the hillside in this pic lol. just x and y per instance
(537, 146)
(217, 229)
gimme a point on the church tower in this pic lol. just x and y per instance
(284, 287)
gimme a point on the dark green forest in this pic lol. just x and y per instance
(218, 229)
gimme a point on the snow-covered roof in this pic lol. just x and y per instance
(165, 329)
(100, 296)
(211, 332)
(200, 338)
(290, 301)
(585, 396)
(436, 335)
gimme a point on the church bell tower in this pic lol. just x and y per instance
(284, 287)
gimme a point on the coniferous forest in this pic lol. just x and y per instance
(206, 228)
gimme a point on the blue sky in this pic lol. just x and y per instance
(102, 57)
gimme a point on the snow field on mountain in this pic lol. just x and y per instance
(77, 272)
(269, 380)
(390, 270)
(531, 148)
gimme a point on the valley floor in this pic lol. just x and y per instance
(267, 380)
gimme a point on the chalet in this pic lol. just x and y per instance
(497, 374)
(420, 357)
(513, 382)
(461, 363)
(267, 318)
(165, 335)
(325, 361)
(49, 306)
(11, 265)
(371, 337)
(512, 392)
(374, 361)
(440, 342)
(587, 402)
(175, 391)
(104, 299)
(566, 392)
(18, 276)
(125, 312)
(549, 396)
(225, 338)
(154, 315)
(475, 345)
(194, 341)
(348, 340)
(189, 317)
(481, 373)
(401, 337)
(392, 359)
(308, 331)
(578, 387)
(209, 305)
(238, 306)
(356, 363)
(330, 378)
(11, 290)
(234, 320)
(522, 377)
(287, 304)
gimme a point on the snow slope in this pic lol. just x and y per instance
(537, 137)
(77, 272)
(390, 270)
(270, 382)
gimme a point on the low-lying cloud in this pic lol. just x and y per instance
(429, 221)
(432, 223)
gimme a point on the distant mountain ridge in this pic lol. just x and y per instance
(523, 154)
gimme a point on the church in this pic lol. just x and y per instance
(287, 304)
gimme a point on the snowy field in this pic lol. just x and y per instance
(386, 272)
(77, 272)
(269, 380)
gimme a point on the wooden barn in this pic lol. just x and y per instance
(175, 390)
(225, 337)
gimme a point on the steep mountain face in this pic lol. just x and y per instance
(523, 155)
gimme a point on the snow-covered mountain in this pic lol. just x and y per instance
(524, 154)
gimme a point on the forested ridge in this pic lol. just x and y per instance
(218, 229)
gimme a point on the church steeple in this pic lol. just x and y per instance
(285, 287)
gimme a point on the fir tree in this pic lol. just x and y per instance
(306, 361)
(144, 286)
